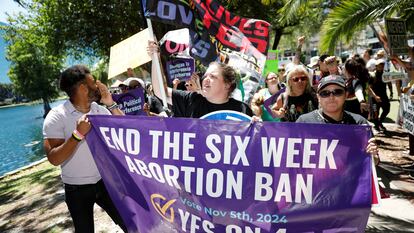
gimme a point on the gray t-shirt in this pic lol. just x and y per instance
(317, 116)
(79, 168)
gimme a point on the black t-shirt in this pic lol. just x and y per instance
(298, 105)
(194, 105)
(378, 86)
(318, 116)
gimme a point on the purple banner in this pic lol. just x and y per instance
(192, 175)
(131, 103)
(181, 69)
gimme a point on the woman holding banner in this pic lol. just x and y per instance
(218, 82)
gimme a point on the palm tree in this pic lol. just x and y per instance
(351, 16)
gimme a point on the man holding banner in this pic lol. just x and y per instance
(331, 97)
(218, 83)
(64, 129)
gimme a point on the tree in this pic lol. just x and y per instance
(34, 68)
(351, 16)
(301, 17)
(6, 91)
(89, 27)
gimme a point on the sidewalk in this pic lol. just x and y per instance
(396, 213)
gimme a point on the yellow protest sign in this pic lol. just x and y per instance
(129, 53)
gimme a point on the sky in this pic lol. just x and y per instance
(10, 7)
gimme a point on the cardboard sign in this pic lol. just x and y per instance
(129, 53)
(397, 36)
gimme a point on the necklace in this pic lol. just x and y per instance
(80, 109)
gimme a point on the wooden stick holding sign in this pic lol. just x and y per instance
(156, 59)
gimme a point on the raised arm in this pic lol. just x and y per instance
(152, 50)
(106, 99)
(298, 53)
(400, 62)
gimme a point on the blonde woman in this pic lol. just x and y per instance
(299, 97)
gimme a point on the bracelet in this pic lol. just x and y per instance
(112, 107)
(78, 135)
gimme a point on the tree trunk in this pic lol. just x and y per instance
(46, 106)
(278, 35)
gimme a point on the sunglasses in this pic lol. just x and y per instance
(336, 92)
(272, 77)
(302, 78)
(188, 85)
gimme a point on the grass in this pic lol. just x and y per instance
(30, 192)
(32, 200)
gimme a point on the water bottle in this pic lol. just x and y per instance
(292, 109)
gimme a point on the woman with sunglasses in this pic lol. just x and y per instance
(272, 86)
(299, 97)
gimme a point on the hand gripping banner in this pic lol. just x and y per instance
(192, 175)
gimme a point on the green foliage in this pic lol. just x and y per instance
(34, 68)
(351, 16)
(100, 71)
(6, 91)
(89, 27)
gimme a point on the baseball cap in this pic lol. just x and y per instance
(380, 61)
(313, 61)
(331, 79)
(131, 81)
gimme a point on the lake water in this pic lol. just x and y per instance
(21, 136)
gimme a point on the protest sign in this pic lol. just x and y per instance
(192, 175)
(181, 68)
(271, 62)
(209, 17)
(407, 107)
(176, 42)
(397, 36)
(131, 103)
(129, 53)
(217, 34)
(393, 76)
